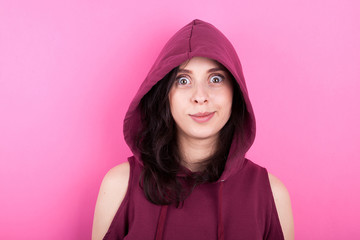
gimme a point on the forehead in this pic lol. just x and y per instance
(201, 62)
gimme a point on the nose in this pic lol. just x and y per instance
(200, 95)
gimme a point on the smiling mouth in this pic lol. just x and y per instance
(202, 117)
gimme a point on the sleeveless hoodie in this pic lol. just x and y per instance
(240, 205)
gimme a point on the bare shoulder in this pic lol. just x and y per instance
(283, 206)
(111, 194)
(117, 175)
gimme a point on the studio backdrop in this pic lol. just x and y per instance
(69, 69)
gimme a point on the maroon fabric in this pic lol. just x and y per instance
(239, 205)
(220, 220)
(161, 223)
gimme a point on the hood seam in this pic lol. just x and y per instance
(192, 28)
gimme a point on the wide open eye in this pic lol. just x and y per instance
(182, 80)
(216, 79)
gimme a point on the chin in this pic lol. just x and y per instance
(204, 135)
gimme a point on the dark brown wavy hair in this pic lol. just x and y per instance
(163, 178)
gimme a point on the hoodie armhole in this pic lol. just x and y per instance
(116, 222)
(273, 227)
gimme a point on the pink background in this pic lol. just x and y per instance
(69, 69)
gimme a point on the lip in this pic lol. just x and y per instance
(202, 117)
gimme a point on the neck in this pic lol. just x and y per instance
(194, 151)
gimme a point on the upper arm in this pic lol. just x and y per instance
(112, 192)
(283, 206)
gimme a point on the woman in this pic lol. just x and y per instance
(189, 127)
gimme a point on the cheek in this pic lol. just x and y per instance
(226, 99)
(175, 103)
(171, 98)
(227, 104)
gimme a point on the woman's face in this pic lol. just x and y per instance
(201, 98)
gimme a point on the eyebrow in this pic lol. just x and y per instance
(182, 70)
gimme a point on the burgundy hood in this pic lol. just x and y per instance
(198, 38)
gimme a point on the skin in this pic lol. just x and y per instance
(199, 91)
